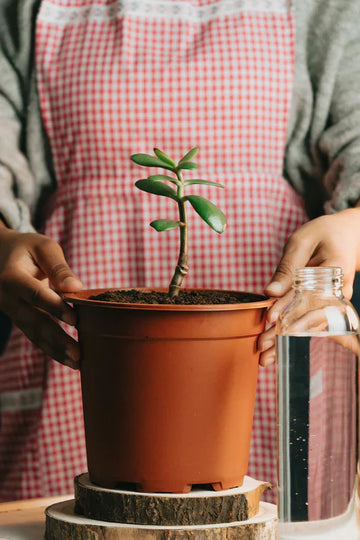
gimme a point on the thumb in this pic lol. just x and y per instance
(294, 256)
(51, 260)
(281, 281)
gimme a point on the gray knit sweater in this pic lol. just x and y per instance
(322, 157)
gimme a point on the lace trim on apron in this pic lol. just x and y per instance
(22, 400)
(160, 9)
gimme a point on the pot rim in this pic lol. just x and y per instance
(81, 298)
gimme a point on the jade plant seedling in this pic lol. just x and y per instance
(158, 185)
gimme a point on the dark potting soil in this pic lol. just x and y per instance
(133, 296)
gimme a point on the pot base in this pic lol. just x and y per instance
(181, 487)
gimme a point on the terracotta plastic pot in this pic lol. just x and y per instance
(168, 391)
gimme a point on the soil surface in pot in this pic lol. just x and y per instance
(185, 297)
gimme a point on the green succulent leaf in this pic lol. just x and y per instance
(204, 182)
(166, 159)
(157, 188)
(150, 161)
(210, 213)
(190, 155)
(164, 224)
(163, 178)
(188, 165)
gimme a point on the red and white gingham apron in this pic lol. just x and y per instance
(116, 78)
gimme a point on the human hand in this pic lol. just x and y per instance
(332, 240)
(28, 262)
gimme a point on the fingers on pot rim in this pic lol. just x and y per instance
(46, 334)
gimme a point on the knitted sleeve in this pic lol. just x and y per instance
(17, 181)
(322, 158)
(340, 141)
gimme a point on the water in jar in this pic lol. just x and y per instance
(317, 425)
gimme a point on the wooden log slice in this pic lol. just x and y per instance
(199, 507)
(62, 523)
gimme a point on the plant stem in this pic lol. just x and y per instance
(181, 268)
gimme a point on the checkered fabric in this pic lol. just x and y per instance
(116, 78)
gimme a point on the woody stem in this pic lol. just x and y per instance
(181, 268)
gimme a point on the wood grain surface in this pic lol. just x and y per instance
(62, 522)
(198, 507)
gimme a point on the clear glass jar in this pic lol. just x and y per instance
(317, 349)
